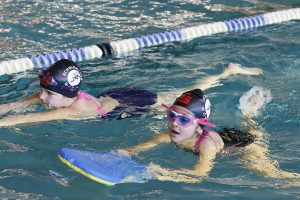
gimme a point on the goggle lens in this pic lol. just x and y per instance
(181, 119)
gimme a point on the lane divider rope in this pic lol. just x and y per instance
(127, 45)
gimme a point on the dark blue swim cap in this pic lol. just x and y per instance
(196, 102)
(63, 77)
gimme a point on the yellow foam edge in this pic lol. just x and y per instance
(94, 178)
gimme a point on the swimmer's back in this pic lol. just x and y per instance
(235, 138)
(132, 101)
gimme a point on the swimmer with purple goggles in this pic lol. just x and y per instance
(187, 121)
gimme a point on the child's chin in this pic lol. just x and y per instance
(174, 139)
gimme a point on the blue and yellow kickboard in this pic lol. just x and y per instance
(108, 168)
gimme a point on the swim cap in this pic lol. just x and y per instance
(196, 102)
(63, 77)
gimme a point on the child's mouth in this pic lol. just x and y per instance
(175, 132)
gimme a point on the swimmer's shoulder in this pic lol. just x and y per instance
(162, 137)
(214, 141)
(108, 103)
(83, 105)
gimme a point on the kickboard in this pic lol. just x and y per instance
(108, 168)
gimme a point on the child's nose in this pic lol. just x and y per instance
(174, 122)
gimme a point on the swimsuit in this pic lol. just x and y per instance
(202, 136)
(133, 102)
(230, 136)
(235, 138)
(83, 95)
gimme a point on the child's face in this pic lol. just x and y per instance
(178, 131)
(53, 99)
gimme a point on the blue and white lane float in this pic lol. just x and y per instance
(127, 45)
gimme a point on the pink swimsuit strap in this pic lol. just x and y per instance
(198, 141)
(86, 96)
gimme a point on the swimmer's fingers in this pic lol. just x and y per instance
(254, 71)
(156, 168)
(165, 174)
(163, 171)
(184, 171)
(177, 178)
(190, 172)
(122, 152)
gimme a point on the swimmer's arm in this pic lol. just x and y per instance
(194, 175)
(33, 99)
(204, 164)
(60, 114)
(209, 81)
(161, 138)
(232, 69)
(165, 174)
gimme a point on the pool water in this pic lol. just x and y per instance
(29, 167)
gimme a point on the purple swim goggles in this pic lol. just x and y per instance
(185, 120)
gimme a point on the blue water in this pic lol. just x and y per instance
(29, 167)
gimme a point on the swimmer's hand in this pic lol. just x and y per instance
(122, 152)
(191, 172)
(165, 174)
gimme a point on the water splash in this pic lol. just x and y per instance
(254, 100)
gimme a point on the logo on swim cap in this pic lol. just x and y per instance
(185, 98)
(196, 102)
(207, 106)
(74, 77)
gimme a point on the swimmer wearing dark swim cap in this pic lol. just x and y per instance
(63, 77)
(196, 102)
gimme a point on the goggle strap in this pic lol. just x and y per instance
(204, 121)
(165, 105)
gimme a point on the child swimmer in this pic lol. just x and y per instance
(187, 122)
(60, 92)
